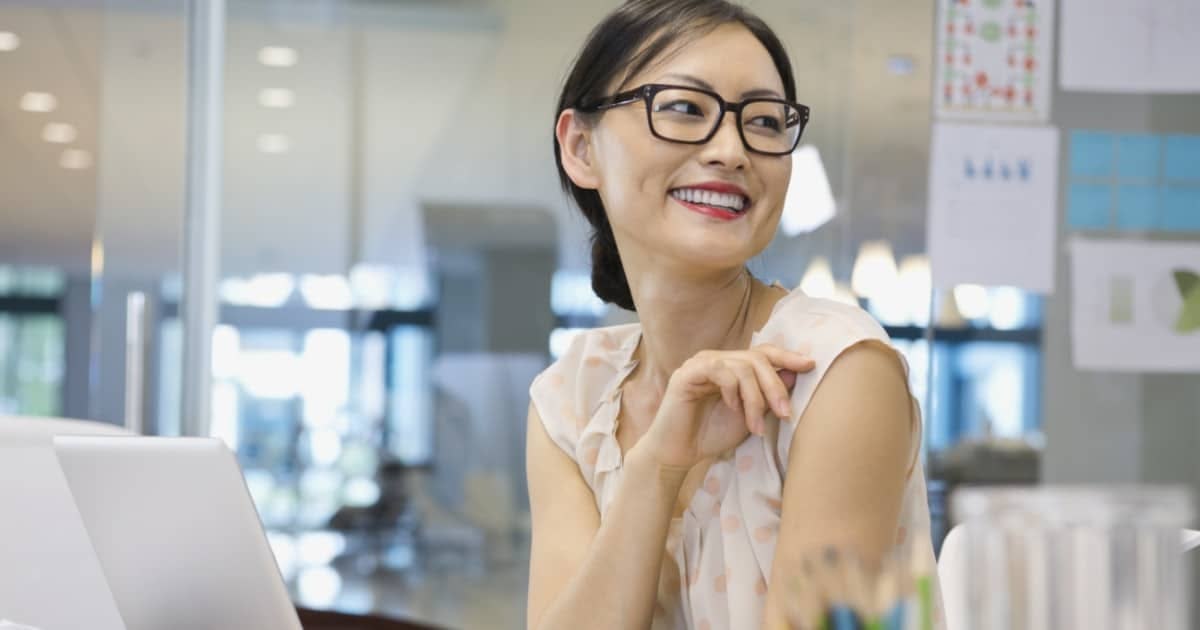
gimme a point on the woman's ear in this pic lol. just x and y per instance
(575, 146)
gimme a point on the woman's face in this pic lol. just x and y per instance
(641, 177)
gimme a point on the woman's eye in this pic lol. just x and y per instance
(767, 122)
(682, 107)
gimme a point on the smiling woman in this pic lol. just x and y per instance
(681, 467)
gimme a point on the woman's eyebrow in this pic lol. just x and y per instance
(708, 86)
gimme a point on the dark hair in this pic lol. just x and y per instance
(626, 41)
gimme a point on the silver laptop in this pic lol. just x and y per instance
(176, 533)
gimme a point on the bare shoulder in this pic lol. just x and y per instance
(870, 365)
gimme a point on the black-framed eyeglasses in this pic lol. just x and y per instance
(771, 126)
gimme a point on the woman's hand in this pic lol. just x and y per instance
(716, 398)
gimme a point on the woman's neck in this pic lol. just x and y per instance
(680, 318)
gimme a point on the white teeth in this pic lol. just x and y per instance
(710, 198)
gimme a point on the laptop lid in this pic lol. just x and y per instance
(176, 533)
(49, 574)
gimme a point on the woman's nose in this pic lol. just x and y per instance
(725, 147)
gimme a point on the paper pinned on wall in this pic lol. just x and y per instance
(1129, 45)
(1133, 182)
(1135, 305)
(994, 60)
(992, 200)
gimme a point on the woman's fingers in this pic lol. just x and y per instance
(772, 384)
(752, 396)
(752, 381)
(787, 359)
(728, 383)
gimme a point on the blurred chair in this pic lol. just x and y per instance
(952, 568)
(24, 427)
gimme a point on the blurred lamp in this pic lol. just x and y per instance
(326, 292)
(809, 202)
(906, 301)
(1007, 308)
(264, 290)
(818, 279)
(843, 294)
(972, 301)
(916, 288)
(874, 269)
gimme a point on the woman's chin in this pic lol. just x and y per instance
(713, 252)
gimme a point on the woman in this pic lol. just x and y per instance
(681, 468)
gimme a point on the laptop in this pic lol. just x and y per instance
(176, 533)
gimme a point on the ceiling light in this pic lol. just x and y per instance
(273, 143)
(276, 98)
(40, 102)
(58, 133)
(277, 56)
(75, 159)
(9, 41)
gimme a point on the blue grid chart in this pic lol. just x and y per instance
(1133, 182)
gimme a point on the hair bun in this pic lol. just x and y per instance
(608, 274)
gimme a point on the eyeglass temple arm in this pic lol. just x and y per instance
(615, 100)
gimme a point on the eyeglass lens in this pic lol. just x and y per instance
(690, 116)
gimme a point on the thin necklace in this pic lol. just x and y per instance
(743, 310)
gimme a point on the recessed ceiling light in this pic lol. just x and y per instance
(273, 143)
(75, 159)
(9, 41)
(38, 102)
(278, 98)
(277, 56)
(58, 133)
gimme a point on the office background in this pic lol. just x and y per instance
(396, 261)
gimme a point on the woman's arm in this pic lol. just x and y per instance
(847, 466)
(584, 573)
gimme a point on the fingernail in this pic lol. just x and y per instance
(785, 405)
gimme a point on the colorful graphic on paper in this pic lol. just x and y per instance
(1135, 305)
(993, 59)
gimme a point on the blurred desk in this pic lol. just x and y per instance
(326, 620)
